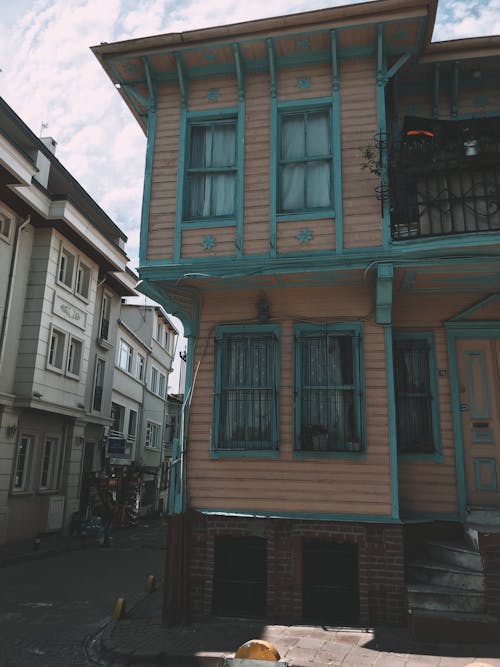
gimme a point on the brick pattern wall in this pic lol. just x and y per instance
(382, 588)
(489, 547)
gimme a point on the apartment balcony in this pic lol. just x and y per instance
(445, 179)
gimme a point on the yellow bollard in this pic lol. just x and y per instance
(120, 609)
(150, 583)
(258, 649)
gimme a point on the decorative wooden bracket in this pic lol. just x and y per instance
(385, 274)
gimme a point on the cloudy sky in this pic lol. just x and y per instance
(50, 76)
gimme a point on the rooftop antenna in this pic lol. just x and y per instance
(43, 127)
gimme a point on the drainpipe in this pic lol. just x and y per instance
(10, 283)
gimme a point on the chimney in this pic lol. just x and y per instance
(43, 162)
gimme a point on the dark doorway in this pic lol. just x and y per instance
(240, 579)
(88, 459)
(330, 593)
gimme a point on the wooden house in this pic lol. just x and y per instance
(321, 210)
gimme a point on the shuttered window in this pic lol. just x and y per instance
(415, 390)
(328, 392)
(245, 410)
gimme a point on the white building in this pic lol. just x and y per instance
(62, 276)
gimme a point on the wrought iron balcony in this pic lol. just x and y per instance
(445, 179)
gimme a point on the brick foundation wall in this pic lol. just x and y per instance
(382, 589)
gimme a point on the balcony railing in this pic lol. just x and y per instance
(448, 183)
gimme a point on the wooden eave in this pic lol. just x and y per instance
(461, 49)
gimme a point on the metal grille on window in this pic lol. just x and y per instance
(248, 391)
(413, 396)
(328, 394)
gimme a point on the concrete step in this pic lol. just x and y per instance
(455, 554)
(453, 627)
(442, 598)
(441, 574)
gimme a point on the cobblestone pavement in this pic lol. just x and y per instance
(49, 606)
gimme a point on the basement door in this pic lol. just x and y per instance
(478, 362)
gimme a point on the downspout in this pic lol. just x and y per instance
(10, 282)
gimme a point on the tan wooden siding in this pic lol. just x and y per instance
(257, 153)
(323, 235)
(224, 239)
(358, 117)
(300, 83)
(164, 181)
(224, 90)
(323, 485)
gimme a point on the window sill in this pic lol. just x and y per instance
(54, 369)
(208, 222)
(244, 454)
(21, 493)
(105, 344)
(48, 492)
(301, 455)
(318, 214)
(82, 297)
(417, 457)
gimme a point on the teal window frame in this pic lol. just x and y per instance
(353, 331)
(210, 120)
(304, 108)
(428, 338)
(238, 449)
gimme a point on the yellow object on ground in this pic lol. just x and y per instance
(258, 649)
(119, 611)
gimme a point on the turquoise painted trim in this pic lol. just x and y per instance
(190, 320)
(354, 331)
(181, 77)
(131, 92)
(228, 329)
(181, 160)
(148, 174)
(336, 133)
(425, 517)
(480, 436)
(435, 91)
(395, 129)
(304, 105)
(244, 454)
(304, 456)
(174, 495)
(485, 460)
(381, 81)
(211, 114)
(437, 455)
(240, 149)
(473, 413)
(182, 497)
(472, 309)
(273, 143)
(385, 275)
(208, 223)
(452, 241)
(402, 60)
(391, 421)
(305, 215)
(457, 425)
(454, 89)
(301, 516)
(486, 329)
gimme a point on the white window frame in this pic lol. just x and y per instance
(66, 268)
(98, 361)
(162, 383)
(105, 315)
(84, 270)
(70, 357)
(126, 353)
(159, 330)
(141, 366)
(154, 380)
(26, 469)
(61, 335)
(52, 481)
(153, 433)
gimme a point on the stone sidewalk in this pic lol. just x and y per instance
(140, 639)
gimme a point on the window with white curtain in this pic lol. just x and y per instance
(305, 165)
(211, 172)
(328, 388)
